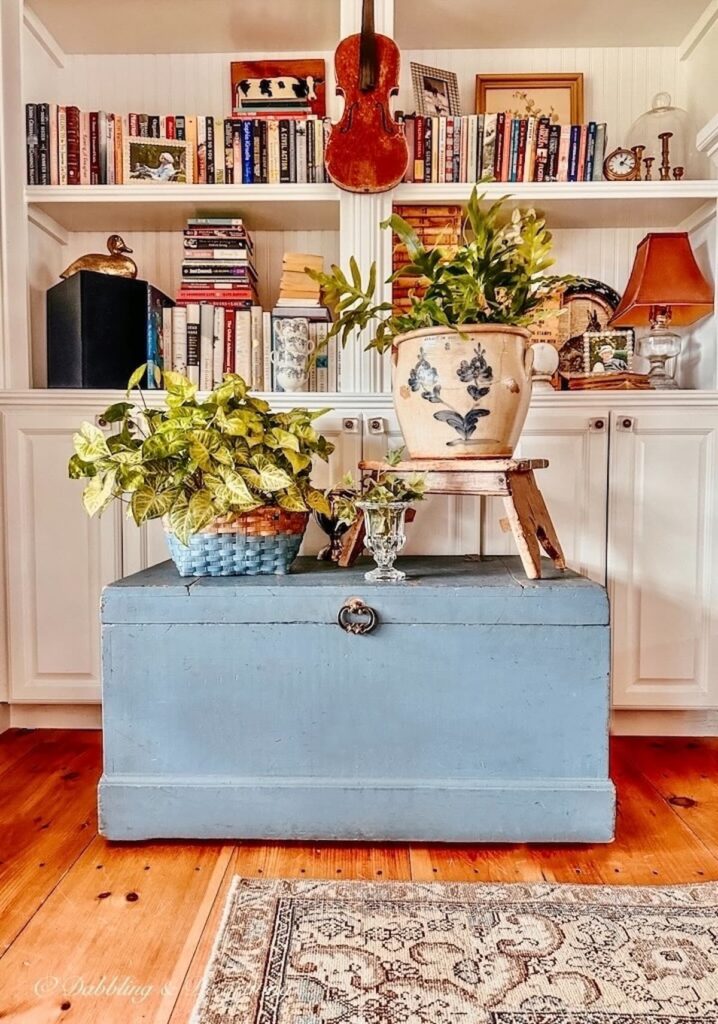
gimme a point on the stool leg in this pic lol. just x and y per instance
(518, 512)
(545, 529)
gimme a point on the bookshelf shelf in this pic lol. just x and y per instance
(585, 204)
(166, 208)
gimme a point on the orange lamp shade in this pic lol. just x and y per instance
(665, 273)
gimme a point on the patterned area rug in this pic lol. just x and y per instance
(292, 952)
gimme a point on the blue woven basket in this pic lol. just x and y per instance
(265, 541)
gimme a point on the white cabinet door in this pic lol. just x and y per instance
(147, 546)
(574, 486)
(663, 557)
(445, 524)
(58, 560)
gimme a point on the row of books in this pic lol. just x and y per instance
(218, 325)
(205, 340)
(503, 147)
(68, 146)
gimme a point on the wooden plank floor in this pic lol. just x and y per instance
(92, 931)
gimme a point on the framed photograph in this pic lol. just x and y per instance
(559, 97)
(162, 161)
(436, 92)
(279, 87)
(607, 352)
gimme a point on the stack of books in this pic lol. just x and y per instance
(504, 148)
(296, 287)
(300, 298)
(69, 146)
(435, 225)
(217, 324)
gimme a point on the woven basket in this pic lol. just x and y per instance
(261, 542)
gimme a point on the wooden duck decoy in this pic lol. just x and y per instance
(117, 262)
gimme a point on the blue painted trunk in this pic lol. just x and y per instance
(477, 710)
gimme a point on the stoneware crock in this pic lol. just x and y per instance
(462, 395)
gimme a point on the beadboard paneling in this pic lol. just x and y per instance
(619, 83)
(157, 83)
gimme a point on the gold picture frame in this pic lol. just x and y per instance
(558, 96)
(157, 161)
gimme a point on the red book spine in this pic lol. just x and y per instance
(233, 301)
(94, 148)
(582, 153)
(506, 159)
(523, 130)
(229, 319)
(72, 116)
(499, 147)
(134, 123)
(170, 127)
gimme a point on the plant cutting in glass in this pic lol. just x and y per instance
(383, 500)
(196, 460)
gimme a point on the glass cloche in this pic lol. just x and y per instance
(661, 119)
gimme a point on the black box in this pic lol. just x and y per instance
(97, 329)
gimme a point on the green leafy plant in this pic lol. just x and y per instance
(195, 459)
(382, 489)
(497, 275)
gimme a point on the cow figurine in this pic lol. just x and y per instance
(292, 90)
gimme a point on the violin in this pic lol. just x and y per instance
(367, 151)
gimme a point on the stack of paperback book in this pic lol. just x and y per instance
(503, 147)
(217, 324)
(300, 300)
(435, 226)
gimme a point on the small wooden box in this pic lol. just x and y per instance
(476, 710)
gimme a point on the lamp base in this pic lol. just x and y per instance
(658, 347)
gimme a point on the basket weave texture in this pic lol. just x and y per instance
(265, 541)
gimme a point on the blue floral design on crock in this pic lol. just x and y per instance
(474, 372)
(425, 378)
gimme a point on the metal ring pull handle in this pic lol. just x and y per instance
(356, 617)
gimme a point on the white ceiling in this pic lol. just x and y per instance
(515, 24)
(190, 26)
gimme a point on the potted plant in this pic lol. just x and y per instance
(229, 477)
(383, 500)
(462, 363)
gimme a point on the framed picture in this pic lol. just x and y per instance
(607, 352)
(162, 161)
(559, 97)
(279, 87)
(436, 92)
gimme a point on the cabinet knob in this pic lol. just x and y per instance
(625, 423)
(597, 425)
(101, 422)
(350, 425)
(356, 617)
(376, 425)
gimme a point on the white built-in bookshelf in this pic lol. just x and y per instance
(164, 57)
(631, 484)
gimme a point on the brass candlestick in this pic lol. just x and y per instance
(649, 162)
(678, 173)
(665, 153)
(638, 152)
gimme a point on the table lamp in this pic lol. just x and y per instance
(666, 288)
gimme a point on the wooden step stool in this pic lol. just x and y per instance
(511, 479)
